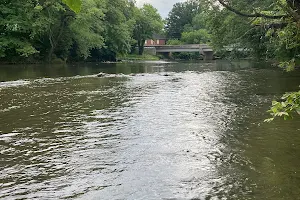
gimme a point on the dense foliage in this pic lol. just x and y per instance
(50, 30)
(180, 18)
(272, 30)
(290, 105)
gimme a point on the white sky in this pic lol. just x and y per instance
(163, 6)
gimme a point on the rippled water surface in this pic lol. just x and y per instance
(146, 131)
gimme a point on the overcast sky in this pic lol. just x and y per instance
(163, 6)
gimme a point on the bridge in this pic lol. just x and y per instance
(203, 49)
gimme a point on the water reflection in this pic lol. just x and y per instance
(155, 131)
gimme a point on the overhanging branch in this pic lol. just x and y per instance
(250, 15)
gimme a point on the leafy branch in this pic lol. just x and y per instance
(254, 15)
(290, 105)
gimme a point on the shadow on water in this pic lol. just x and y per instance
(27, 71)
(258, 160)
(17, 72)
(155, 131)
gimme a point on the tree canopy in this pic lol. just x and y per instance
(34, 30)
(271, 28)
(148, 22)
(180, 17)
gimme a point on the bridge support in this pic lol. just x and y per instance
(150, 50)
(208, 55)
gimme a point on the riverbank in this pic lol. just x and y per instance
(135, 57)
(129, 57)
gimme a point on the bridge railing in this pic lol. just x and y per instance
(181, 46)
(202, 48)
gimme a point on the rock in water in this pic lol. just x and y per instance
(101, 74)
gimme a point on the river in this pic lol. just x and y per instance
(147, 131)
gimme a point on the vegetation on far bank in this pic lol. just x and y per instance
(136, 57)
(89, 30)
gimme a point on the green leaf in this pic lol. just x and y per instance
(269, 120)
(74, 5)
(274, 103)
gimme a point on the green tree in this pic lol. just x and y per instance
(57, 19)
(118, 26)
(87, 30)
(174, 42)
(49, 29)
(280, 20)
(180, 18)
(32, 27)
(228, 29)
(16, 30)
(196, 37)
(147, 22)
(270, 27)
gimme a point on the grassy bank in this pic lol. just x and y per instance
(138, 57)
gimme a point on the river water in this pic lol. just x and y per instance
(147, 131)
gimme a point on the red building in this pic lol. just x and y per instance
(156, 40)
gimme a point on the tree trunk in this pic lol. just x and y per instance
(141, 44)
(56, 40)
(50, 53)
(133, 49)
